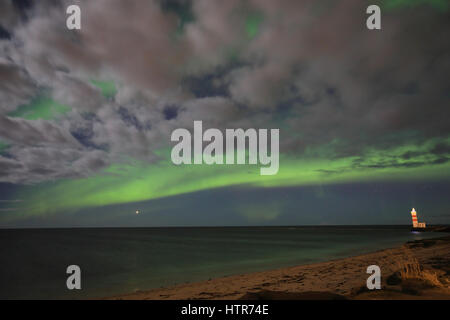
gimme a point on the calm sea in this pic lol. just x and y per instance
(123, 260)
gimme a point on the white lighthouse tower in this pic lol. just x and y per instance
(416, 223)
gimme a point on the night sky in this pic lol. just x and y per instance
(86, 115)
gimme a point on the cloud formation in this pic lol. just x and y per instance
(309, 67)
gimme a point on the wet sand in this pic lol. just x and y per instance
(425, 265)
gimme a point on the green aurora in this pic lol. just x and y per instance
(124, 183)
(134, 181)
(40, 108)
(137, 181)
(252, 24)
(3, 146)
(108, 88)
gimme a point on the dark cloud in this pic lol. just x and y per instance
(9, 15)
(15, 87)
(170, 112)
(34, 132)
(441, 149)
(34, 165)
(311, 68)
(129, 118)
(4, 34)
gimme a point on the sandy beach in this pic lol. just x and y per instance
(417, 270)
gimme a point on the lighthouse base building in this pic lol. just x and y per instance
(416, 223)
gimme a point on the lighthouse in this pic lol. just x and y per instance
(416, 223)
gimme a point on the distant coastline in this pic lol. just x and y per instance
(433, 229)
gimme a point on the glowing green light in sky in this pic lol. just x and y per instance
(108, 88)
(252, 24)
(138, 181)
(40, 108)
(3, 146)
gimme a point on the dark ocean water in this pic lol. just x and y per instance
(114, 261)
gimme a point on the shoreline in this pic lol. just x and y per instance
(343, 278)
